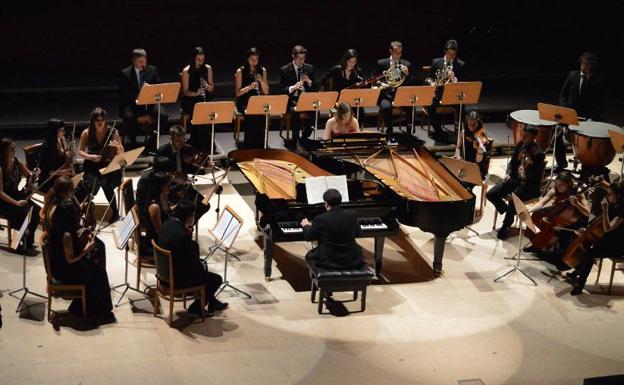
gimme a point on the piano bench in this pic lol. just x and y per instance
(329, 281)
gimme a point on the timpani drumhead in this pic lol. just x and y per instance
(530, 117)
(595, 129)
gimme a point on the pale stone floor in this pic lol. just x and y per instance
(459, 327)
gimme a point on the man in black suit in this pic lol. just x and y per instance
(454, 68)
(180, 159)
(584, 91)
(387, 95)
(335, 230)
(523, 178)
(131, 79)
(176, 236)
(297, 77)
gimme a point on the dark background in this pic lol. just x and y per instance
(67, 47)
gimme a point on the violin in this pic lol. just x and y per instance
(562, 214)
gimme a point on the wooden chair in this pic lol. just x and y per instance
(143, 259)
(165, 286)
(31, 155)
(56, 289)
(614, 268)
(238, 120)
(146, 127)
(127, 195)
(396, 112)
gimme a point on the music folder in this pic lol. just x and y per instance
(227, 227)
(523, 214)
(465, 171)
(122, 233)
(162, 93)
(461, 93)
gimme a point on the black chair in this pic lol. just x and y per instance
(330, 281)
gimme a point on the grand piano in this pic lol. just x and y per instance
(425, 193)
(278, 178)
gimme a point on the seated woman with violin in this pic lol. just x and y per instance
(155, 209)
(15, 203)
(602, 238)
(343, 122)
(55, 159)
(99, 144)
(476, 141)
(76, 255)
(568, 212)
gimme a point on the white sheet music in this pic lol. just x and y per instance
(231, 233)
(227, 228)
(123, 232)
(220, 229)
(16, 240)
(316, 187)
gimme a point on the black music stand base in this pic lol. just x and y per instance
(126, 284)
(212, 250)
(24, 288)
(516, 265)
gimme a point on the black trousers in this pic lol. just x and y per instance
(560, 153)
(295, 125)
(108, 183)
(503, 189)
(16, 216)
(609, 246)
(130, 114)
(254, 126)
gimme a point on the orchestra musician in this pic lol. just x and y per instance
(583, 91)
(335, 230)
(296, 77)
(197, 86)
(160, 164)
(55, 157)
(569, 210)
(155, 209)
(451, 68)
(180, 157)
(476, 140)
(131, 79)
(99, 143)
(345, 74)
(76, 259)
(15, 203)
(342, 122)
(251, 79)
(610, 245)
(387, 96)
(523, 178)
(176, 236)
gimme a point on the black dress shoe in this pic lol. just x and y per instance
(217, 306)
(502, 233)
(531, 249)
(196, 310)
(577, 290)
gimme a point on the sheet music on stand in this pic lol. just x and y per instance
(122, 233)
(316, 187)
(227, 228)
(22, 230)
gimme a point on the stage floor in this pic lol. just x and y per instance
(416, 330)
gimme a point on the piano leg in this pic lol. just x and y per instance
(438, 253)
(379, 246)
(268, 252)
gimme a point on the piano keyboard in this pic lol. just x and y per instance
(366, 224)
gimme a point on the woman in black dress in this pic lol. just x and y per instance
(251, 79)
(15, 203)
(98, 145)
(345, 74)
(156, 209)
(75, 259)
(476, 140)
(197, 86)
(53, 156)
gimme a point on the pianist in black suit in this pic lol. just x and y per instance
(453, 69)
(131, 79)
(584, 91)
(335, 230)
(176, 236)
(387, 96)
(296, 77)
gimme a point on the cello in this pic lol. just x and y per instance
(580, 245)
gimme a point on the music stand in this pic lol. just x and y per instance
(120, 162)
(461, 93)
(466, 172)
(412, 96)
(213, 113)
(16, 239)
(525, 218)
(617, 141)
(225, 233)
(158, 94)
(312, 101)
(359, 97)
(267, 105)
(559, 115)
(121, 235)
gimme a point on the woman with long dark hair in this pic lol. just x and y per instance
(15, 203)
(99, 143)
(251, 79)
(197, 86)
(344, 74)
(156, 208)
(75, 259)
(54, 155)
